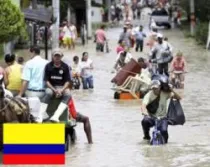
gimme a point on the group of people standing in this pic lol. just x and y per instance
(68, 35)
(46, 80)
(82, 70)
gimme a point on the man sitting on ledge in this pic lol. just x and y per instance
(57, 79)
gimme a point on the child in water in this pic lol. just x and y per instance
(76, 70)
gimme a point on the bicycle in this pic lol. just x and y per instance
(157, 138)
(177, 81)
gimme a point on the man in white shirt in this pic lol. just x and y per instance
(33, 84)
(123, 58)
(160, 54)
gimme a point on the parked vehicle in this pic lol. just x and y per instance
(161, 18)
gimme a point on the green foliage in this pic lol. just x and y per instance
(25, 3)
(1, 50)
(202, 8)
(12, 24)
(201, 33)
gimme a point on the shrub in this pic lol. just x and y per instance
(201, 34)
(12, 22)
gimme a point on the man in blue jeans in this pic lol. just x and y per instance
(140, 35)
(161, 111)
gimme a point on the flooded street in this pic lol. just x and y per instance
(116, 125)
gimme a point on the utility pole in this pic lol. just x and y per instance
(208, 41)
(34, 6)
(108, 4)
(88, 18)
(192, 17)
(56, 14)
(69, 12)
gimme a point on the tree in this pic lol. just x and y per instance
(25, 3)
(202, 9)
(12, 24)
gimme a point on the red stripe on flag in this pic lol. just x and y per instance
(34, 159)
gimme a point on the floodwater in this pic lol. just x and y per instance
(116, 125)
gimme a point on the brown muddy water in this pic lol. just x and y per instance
(116, 125)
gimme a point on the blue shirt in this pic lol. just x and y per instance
(33, 72)
(140, 35)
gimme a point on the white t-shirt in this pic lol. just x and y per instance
(127, 59)
(112, 10)
(85, 73)
(76, 68)
(73, 29)
(67, 32)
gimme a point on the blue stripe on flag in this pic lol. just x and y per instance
(34, 149)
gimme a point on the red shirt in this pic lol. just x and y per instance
(100, 36)
(178, 65)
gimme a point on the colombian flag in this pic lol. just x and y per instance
(40, 144)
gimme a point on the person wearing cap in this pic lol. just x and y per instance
(12, 75)
(159, 53)
(156, 94)
(57, 78)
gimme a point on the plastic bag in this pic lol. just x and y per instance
(175, 113)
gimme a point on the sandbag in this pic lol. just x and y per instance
(175, 113)
(130, 69)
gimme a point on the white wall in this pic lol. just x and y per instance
(99, 1)
(96, 15)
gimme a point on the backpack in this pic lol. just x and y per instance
(169, 57)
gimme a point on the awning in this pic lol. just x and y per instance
(38, 15)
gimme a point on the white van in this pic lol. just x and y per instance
(161, 17)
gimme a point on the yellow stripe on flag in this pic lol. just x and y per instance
(34, 133)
